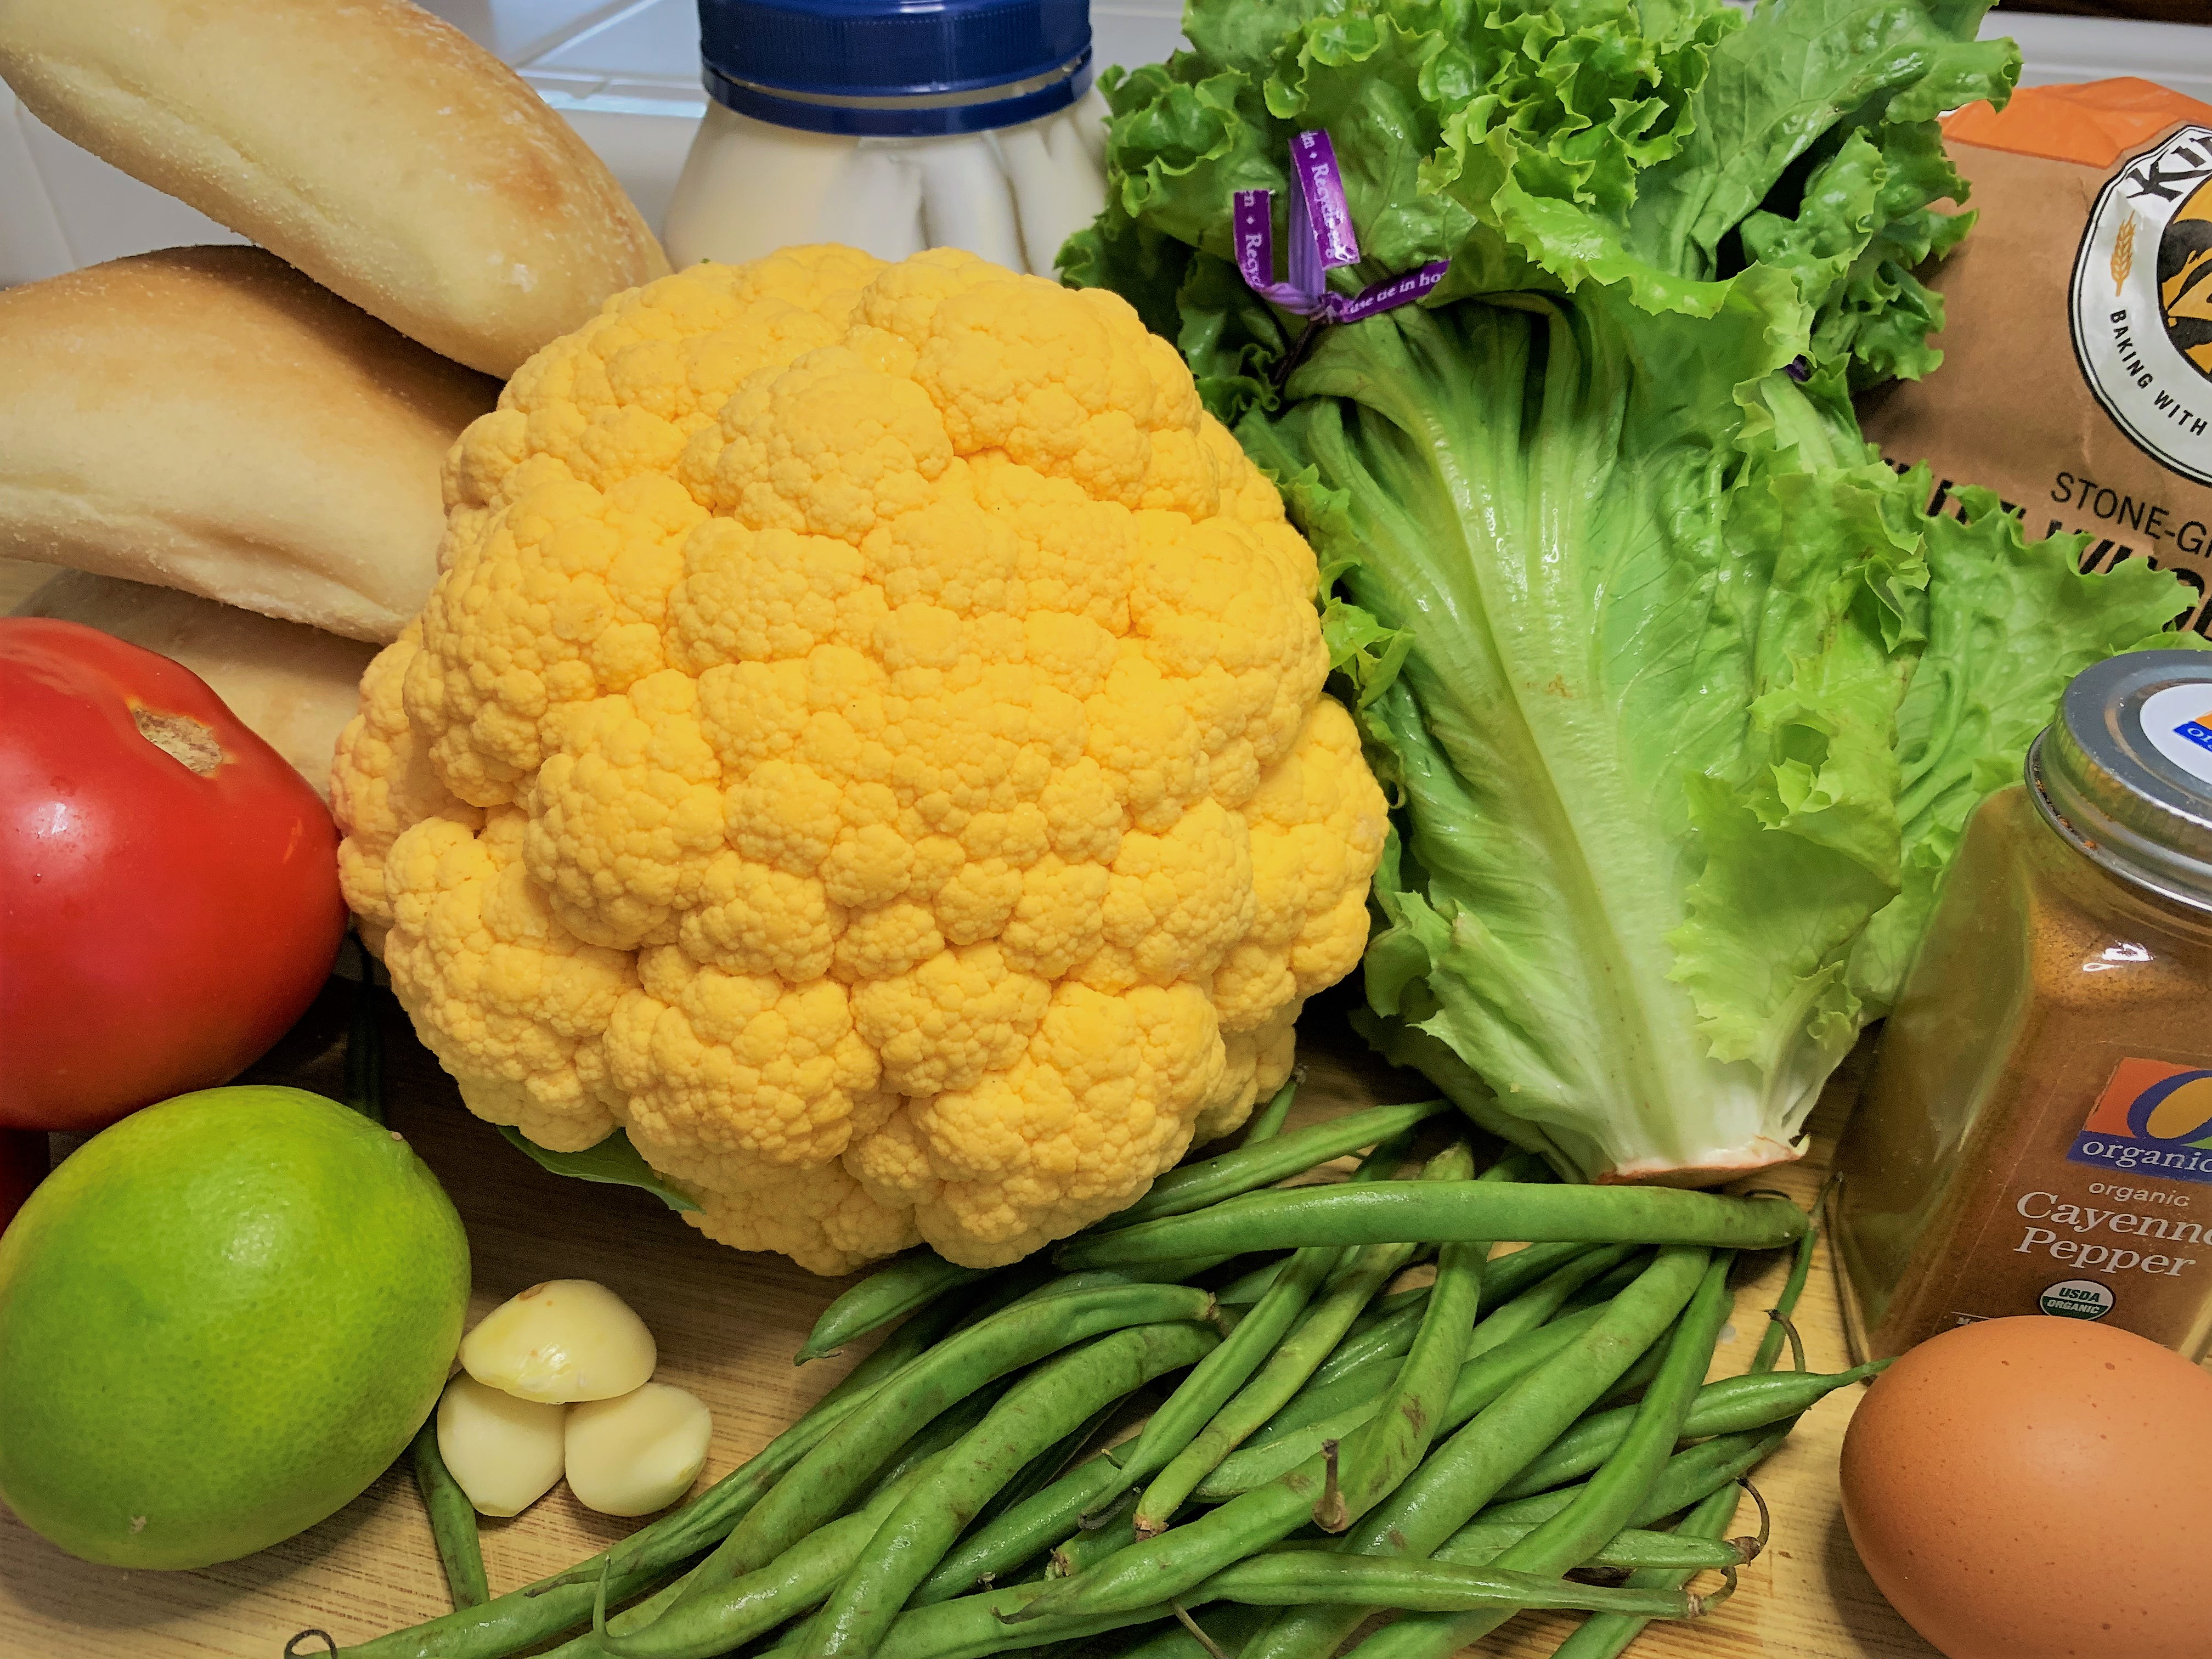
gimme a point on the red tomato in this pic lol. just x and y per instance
(168, 886)
(22, 1166)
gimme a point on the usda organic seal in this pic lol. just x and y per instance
(2076, 1298)
(2141, 301)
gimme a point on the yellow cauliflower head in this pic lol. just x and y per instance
(867, 743)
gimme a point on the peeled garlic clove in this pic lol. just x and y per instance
(637, 1454)
(505, 1453)
(563, 1340)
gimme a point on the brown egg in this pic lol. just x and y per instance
(2038, 1488)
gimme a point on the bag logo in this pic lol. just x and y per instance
(2141, 301)
(2152, 1117)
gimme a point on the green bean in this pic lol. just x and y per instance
(1457, 1478)
(1691, 1476)
(1211, 1439)
(977, 1626)
(851, 1451)
(1492, 1447)
(538, 1612)
(1033, 1278)
(1087, 1547)
(1604, 1636)
(1317, 1402)
(1605, 1288)
(1292, 1577)
(899, 1348)
(452, 1520)
(1441, 1212)
(1728, 1406)
(1033, 1414)
(1607, 1503)
(1505, 1277)
(1266, 1121)
(1169, 1566)
(1386, 1329)
(1197, 1185)
(1432, 1513)
(940, 1434)
(1481, 1379)
(1801, 1269)
(706, 1520)
(1054, 1461)
(1385, 1449)
(795, 1581)
(1227, 1625)
(888, 1293)
(1281, 1373)
(1222, 1374)
(1102, 1278)
(1629, 1388)
(1381, 1334)
(914, 1460)
(1027, 1529)
(1478, 1543)
(1243, 1293)
(1520, 1307)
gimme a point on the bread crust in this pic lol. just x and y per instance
(208, 419)
(370, 144)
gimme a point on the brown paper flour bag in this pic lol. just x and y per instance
(2077, 372)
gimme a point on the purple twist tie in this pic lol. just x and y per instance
(1322, 239)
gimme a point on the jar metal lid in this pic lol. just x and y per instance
(896, 67)
(2125, 772)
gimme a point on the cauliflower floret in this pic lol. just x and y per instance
(867, 743)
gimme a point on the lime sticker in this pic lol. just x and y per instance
(2075, 1298)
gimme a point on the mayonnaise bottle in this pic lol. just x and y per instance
(892, 125)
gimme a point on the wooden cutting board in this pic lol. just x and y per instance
(728, 1324)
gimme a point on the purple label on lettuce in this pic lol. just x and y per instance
(1322, 239)
(1312, 158)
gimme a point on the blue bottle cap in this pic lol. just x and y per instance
(896, 67)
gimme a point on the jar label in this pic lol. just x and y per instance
(2075, 1298)
(2141, 300)
(2154, 1118)
(2178, 723)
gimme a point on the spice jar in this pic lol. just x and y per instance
(2037, 1135)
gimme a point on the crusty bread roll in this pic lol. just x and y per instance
(378, 149)
(209, 419)
(295, 686)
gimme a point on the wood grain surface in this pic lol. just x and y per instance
(728, 1324)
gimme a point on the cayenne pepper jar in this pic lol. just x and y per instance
(2037, 1135)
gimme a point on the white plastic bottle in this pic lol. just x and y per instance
(892, 125)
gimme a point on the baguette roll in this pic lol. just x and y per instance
(208, 419)
(372, 145)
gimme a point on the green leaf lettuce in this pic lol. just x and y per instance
(1681, 698)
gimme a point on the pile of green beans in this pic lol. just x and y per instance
(1315, 1402)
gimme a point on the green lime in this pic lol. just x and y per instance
(220, 1321)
